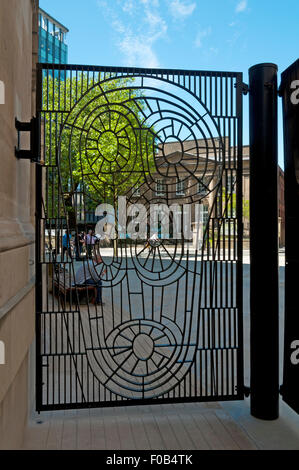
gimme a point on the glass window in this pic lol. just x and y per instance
(44, 23)
(57, 53)
(43, 34)
(51, 28)
(203, 186)
(42, 43)
(160, 187)
(136, 191)
(57, 32)
(180, 188)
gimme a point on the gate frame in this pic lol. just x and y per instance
(241, 389)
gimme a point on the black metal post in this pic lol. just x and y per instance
(264, 342)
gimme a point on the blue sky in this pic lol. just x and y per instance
(187, 34)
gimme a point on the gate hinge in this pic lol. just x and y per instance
(244, 88)
(280, 91)
(245, 390)
(33, 127)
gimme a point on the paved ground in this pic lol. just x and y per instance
(159, 427)
(226, 425)
(201, 426)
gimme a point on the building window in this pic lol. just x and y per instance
(44, 23)
(180, 188)
(52, 39)
(203, 186)
(160, 187)
(136, 191)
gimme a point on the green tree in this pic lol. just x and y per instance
(246, 209)
(103, 146)
(229, 202)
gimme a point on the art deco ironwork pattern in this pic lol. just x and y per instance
(170, 328)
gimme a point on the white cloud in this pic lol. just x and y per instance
(180, 9)
(137, 53)
(140, 27)
(235, 37)
(158, 27)
(128, 6)
(214, 50)
(241, 6)
(200, 35)
(153, 3)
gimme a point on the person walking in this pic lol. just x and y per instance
(78, 245)
(90, 240)
(66, 245)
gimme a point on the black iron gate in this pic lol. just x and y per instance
(119, 145)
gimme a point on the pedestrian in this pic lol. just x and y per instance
(78, 245)
(152, 241)
(66, 244)
(90, 240)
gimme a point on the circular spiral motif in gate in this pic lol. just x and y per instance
(133, 132)
(142, 358)
(110, 143)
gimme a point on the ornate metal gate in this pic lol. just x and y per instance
(169, 328)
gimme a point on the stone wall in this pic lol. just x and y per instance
(18, 55)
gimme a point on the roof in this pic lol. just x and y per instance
(192, 147)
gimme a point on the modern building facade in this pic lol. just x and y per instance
(52, 40)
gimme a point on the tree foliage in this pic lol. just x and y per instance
(103, 147)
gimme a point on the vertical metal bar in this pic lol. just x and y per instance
(238, 162)
(263, 241)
